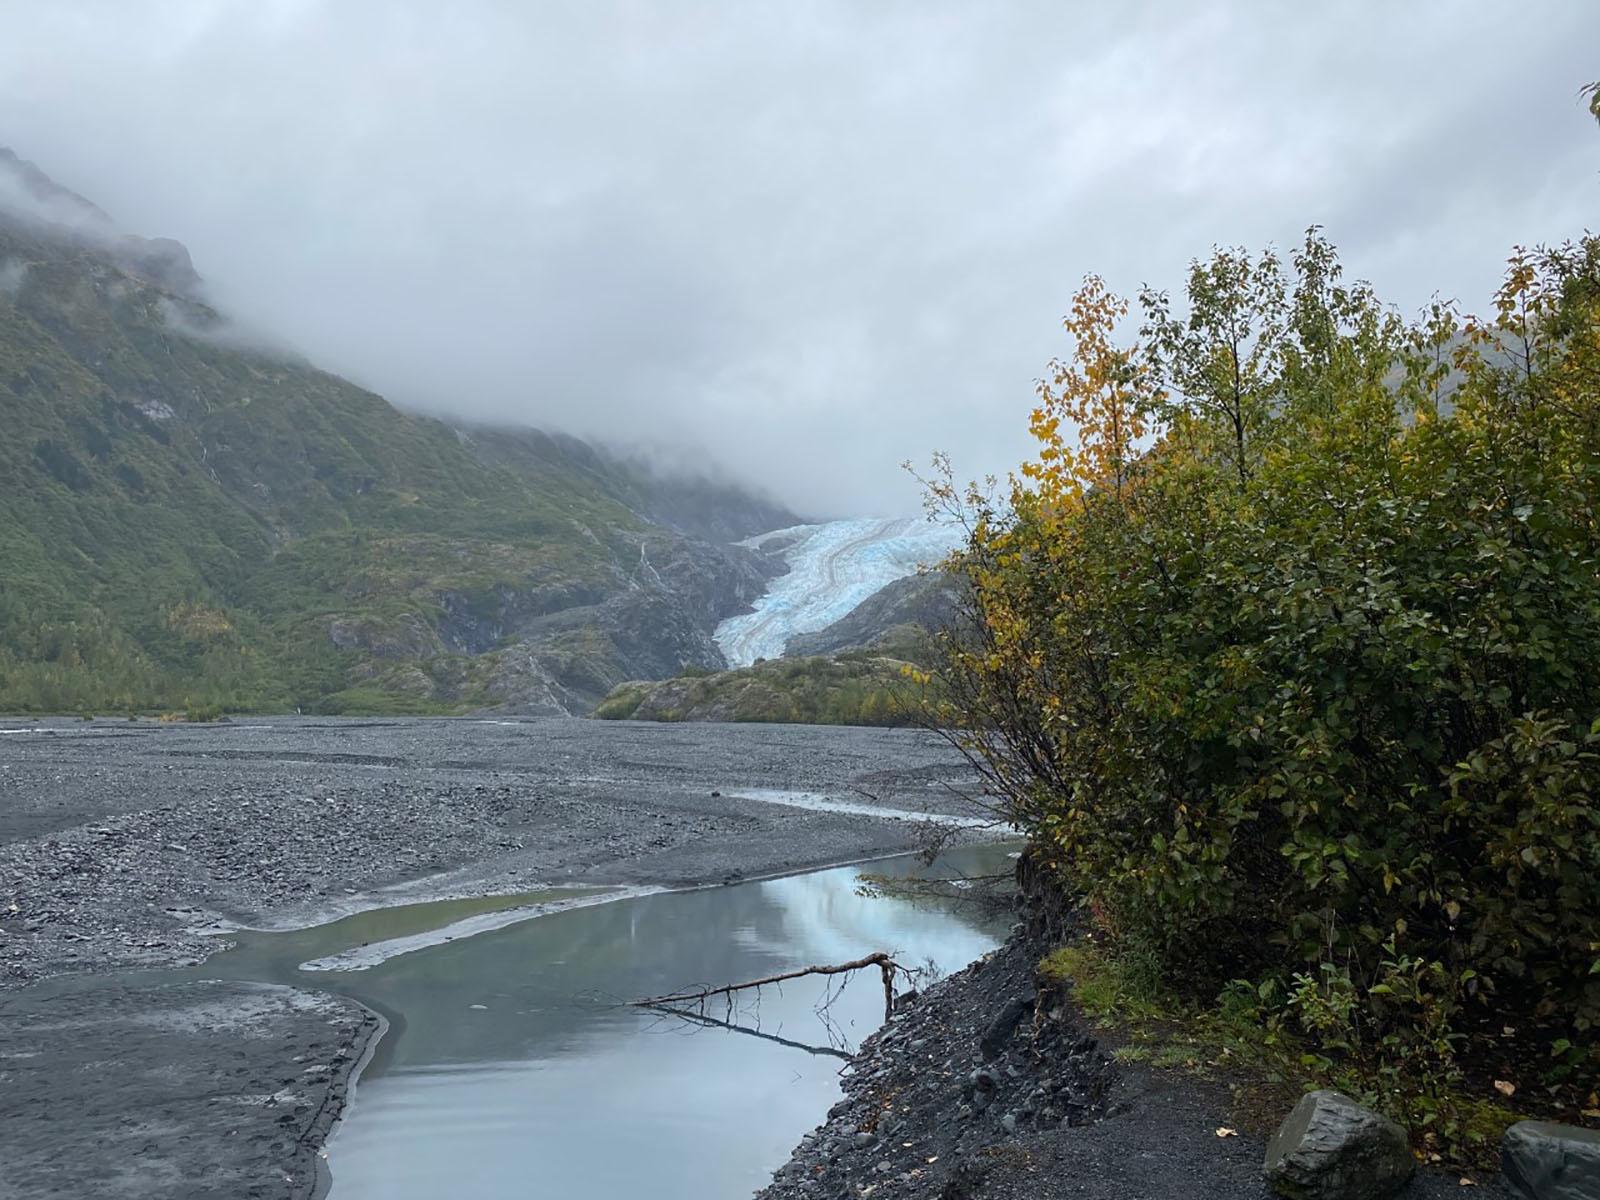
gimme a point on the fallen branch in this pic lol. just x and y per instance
(882, 961)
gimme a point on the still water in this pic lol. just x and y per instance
(513, 1069)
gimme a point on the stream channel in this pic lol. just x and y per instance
(513, 1068)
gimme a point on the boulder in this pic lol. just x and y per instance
(1331, 1148)
(1004, 1024)
(1546, 1161)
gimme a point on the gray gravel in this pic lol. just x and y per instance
(209, 1091)
(122, 843)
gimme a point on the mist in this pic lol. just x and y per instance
(798, 243)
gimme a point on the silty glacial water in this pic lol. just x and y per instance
(513, 1067)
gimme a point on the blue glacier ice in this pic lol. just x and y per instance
(832, 568)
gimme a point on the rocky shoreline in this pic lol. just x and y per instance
(988, 1086)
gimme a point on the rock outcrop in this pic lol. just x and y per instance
(893, 619)
(1546, 1161)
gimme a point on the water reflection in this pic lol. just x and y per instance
(517, 1071)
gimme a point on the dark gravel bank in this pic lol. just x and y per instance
(983, 1088)
(218, 1091)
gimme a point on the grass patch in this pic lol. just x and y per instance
(623, 702)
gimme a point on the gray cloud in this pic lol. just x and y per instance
(813, 239)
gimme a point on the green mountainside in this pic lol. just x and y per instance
(190, 523)
(855, 688)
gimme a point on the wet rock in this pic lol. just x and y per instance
(1331, 1148)
(1546, 1161)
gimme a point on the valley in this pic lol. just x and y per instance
(196, 523)
(478, 720)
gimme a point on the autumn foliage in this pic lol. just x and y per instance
(1283, 651)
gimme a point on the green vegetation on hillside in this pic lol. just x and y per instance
(1282, 652)
(847, 689)
(188, 522)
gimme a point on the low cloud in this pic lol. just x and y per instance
(805, 241)
(13, 275)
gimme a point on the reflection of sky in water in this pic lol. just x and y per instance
(553, 1090)
(824, 921)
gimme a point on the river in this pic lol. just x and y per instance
(512, 1067)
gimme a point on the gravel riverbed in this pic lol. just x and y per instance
(125, 846)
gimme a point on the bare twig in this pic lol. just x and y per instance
(885, 964)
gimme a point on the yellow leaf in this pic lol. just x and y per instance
(1504, 1087)
(1224, 1131)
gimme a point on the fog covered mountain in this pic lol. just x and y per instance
(190, 520)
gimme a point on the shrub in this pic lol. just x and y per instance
(623, 702)
(1286, 664)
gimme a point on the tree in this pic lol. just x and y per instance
(1222, 363)
(1105, 393)
(1294, 684)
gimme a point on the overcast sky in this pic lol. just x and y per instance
(807, 240)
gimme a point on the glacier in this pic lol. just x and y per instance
(833, 567)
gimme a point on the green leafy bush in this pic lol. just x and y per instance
(1298, 688)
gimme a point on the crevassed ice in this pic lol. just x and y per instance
(833, 567)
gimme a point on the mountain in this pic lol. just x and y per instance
(188, 520)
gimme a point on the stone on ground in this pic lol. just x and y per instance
(1546, 1161)
(1331, 1148)
(1003, 1026)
